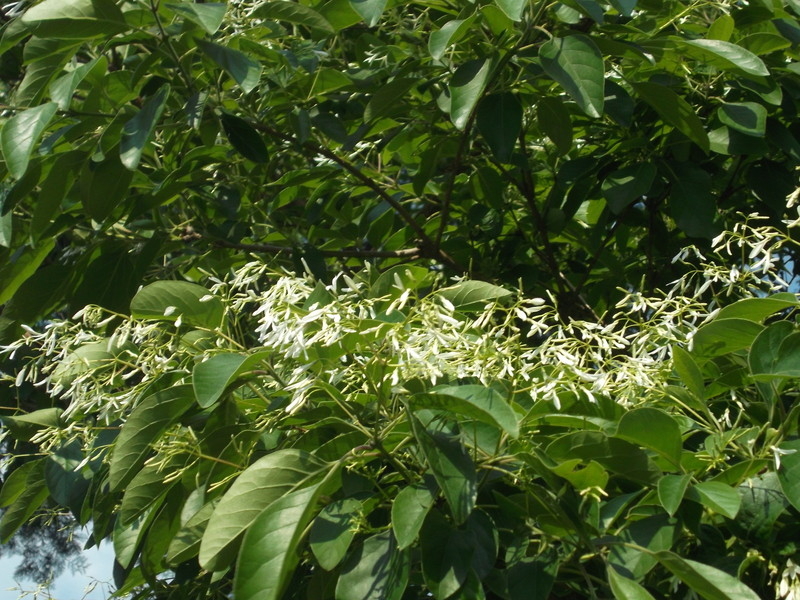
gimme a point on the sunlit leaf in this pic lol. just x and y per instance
(577, 65)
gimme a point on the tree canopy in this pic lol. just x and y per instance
(382, 299)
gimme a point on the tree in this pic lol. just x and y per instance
(342, 419)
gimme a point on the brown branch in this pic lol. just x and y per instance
(407, 253)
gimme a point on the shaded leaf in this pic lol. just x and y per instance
(499, 121)
(244, 138)
(553, 119)
(208, 15)
(332, 532)
(691, 201)
(299, 14)
(722, 336)
(244, 70)
(709, 582)
(789, 471)
(625, 186)
(409, 509)
(654, 429)
(748, 117)
(466, 89)
(674, 110)
(138, 131)
(377, 570)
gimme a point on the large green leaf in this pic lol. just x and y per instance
(626, 589)
(449, 34)
(244, 138)
(707, 581)
(186, 542)
(688, 371)
(333, 530)
(409, 509)
(625, 186)
(512, 8)
(577, 65)
(789, 471)
(148, 487)
(748, 117)
(63, 88)
(671, 489)
(146, 423)
(722, 336)
(270, 548)
(634, 558)
(717, 496)
(377, 570)
(268, 479)
(474, 295)
(386, 99)
(16, 481)
(292, 12)
(21, 133)
(758, 309)
(674, 110)
(553, 119)
(67, 476)
(466, 89)
(692, 202)
(25, 503)
(532, 578)
(138, 131)
(725, 56)
(654, 429)
(13, 274)
(244, 70)
(500, 122)
(446, 555)
(74, 19)
(211, 377)
(208, 15)
(370, 10)
(452, 467)
(168, 300)
(475, 401)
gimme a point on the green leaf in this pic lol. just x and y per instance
(299, 14)
(185, 544)
(466, 88)
(21, 133)
(74, 19)
(25, 503)
(369, 10)
(688, 371)
(553, 119)
(787, 363)
(763, 502)
(758, 309)
(748, 117)
(66, 480)
(148, 487)
(532, 578)
(717, 496)
(671, 489)
(474, 295)
(244, 70)
(104, 186)
(722, 336)
(333, 530)
(211, 377)
(269, 549)
(127, 538)
(209, 15)
(16, 482)
(765, 350)
(63, 88)
(722, 28)
(449, 34)
(623, 187)
(475, 401)
(500, 122)
(138, 131)
(452, 467)
(14, 274)
(446, 555)
(675, 111)
(244, 138)
(377, 570)
(705, 580)
(512, 8)
(151, 417)
(270, 478)
(692, 202)
(409, 509)
(789, 471)
(385, 100)
(654, 429)
(626, 589)
(168, 300)
(22, 426)
(725, 56)
(577, 65)
(634, 558)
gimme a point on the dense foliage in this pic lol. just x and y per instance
(381, 299)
